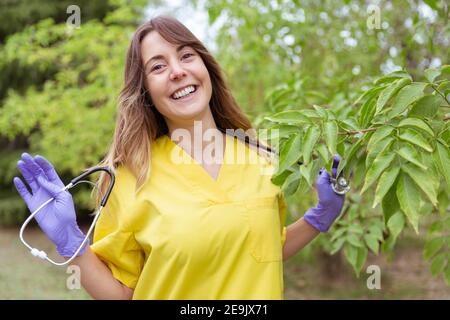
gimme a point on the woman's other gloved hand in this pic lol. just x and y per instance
(57, 219)
(329, 205)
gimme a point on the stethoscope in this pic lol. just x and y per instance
(340, 185)
(40, 253)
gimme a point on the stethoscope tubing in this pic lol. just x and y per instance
(42, 254)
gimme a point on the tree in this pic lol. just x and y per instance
(17, 14)
(71, 72)
(319, 65)
(394, 140)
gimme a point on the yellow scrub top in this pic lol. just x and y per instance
(185, 235)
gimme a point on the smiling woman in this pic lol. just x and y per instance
(185, 231)
(192, 229)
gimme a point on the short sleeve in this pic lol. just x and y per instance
(282, 209)
(114, 241)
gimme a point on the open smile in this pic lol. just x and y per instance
(187, 97)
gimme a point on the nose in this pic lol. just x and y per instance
(177, 72)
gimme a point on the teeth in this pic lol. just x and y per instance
(183, 92)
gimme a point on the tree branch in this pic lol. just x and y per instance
(347, 132)
(441, 94)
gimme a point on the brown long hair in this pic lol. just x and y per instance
(138, 124)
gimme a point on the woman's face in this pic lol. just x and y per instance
(175, 68)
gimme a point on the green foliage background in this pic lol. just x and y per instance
(313, 70)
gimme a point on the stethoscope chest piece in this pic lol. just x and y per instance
(340, 185)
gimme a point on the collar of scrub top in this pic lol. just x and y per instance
(340, 185)
(40, 253)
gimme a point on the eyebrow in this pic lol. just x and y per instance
(179, 48)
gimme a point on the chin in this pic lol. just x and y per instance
(192, 111)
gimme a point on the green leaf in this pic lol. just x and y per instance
(395, 224)
(323, 152)
(432, 4)
(321, 112)
(338, 233)
(409, 153)
(441, 157)
(309, 113)
(416, 123)
(279, 177)
(427, 106)
(310, 139)
(352, 214)
(372, 242)
(351, 253)
(436, 226)
(361, 259)
(379, 134)
(445, 69)
(390, 91)
(374, 146)
(415, 138)
(349, 158)
(331, 132)
(443, 202)
(423, 180)
(381, 162)
(337, 245)
(350, 124)
(432, 247)
(437, 264)
(290, 185)
(386, 181)
(277, 131)
(303, 186)
(432, 74)
(408, 197)
(377, 230)
(290, 152)
(356, 228)
(367, 112)
(354, 240)
(305, 170)
(288, 117)
(380, 147)
(393, 76)
(406, 96)
(316, 94)
(369, 94)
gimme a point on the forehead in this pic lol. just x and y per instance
(154, 44)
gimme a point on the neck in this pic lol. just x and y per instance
(195, 135)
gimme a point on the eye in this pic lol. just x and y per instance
(187, 54)
(156, 67)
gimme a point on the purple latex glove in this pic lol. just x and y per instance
(330, 204)
(57, 219)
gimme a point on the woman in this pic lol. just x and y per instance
(185, 220)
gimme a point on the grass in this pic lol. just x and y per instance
(23, 276)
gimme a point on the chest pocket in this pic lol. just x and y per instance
(264, 224)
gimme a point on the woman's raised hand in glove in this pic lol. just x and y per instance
(58, 218)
